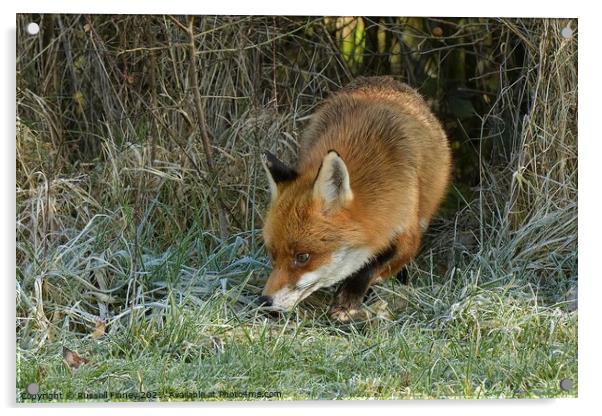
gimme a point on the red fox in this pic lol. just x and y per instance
(373, 167)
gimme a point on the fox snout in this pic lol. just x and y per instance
(264, 301)
(280, 297)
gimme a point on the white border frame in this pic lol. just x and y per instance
(590, 149)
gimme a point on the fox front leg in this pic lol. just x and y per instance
(348, 300)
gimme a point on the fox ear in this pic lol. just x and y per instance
(332, 184)
(277, 172)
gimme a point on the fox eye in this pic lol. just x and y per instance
(301, 258)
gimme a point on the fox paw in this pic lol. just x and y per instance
(347, 314)
(346, 307)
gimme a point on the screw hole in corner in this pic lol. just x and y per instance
(32, 28)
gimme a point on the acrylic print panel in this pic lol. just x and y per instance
(411, 232)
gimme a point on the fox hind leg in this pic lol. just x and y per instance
(402, 276)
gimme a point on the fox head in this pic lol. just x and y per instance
(309, 232)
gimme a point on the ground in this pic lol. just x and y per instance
(433, 338)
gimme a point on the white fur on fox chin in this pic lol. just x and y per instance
(344, 262)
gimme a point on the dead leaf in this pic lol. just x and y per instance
(99, 330)
(73, 359)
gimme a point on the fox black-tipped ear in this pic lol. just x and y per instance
(332, 183)
(277, 172)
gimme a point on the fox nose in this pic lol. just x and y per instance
(264, 301)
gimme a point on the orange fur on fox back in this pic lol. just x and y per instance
(395, 150)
